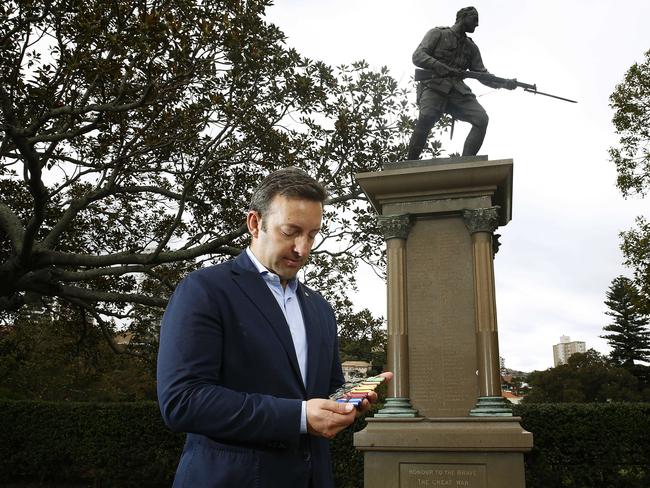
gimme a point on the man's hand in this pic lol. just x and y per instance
(510, 84)
(372, 396)
(326, 418)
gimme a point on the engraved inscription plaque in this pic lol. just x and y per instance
(442, 334)
(442, 475)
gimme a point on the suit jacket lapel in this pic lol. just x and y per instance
(313, 331)
(247, 277)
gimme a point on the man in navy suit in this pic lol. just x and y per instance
(248, 355)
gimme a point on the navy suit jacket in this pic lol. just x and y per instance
(228, 376)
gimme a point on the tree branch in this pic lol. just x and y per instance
(73, 209)
(98, 272)
(104, 296)
(217, 246)
(32, 166)
(343, 198)
(107, 332)
(157, 190)
(12, 226)
(66, 135)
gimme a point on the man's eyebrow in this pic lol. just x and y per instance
(294, 226)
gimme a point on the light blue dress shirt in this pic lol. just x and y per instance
(288, 301)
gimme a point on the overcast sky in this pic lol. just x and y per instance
(561, 249)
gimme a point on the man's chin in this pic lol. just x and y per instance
(288, 274)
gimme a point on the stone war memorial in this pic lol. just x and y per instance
(445, 423)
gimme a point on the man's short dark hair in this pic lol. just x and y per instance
(463, 12)
(289, 182)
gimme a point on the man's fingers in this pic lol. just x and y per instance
(327, 417)
(387, 375)
(338, 407)
(372, 397)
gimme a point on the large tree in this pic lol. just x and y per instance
(628, 336)
(631, 104)
(133, 133)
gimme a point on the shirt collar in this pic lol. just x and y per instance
(268, 275)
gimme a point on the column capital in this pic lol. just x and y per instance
(395, 226)
(481, 219)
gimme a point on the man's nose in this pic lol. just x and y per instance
(302, 245)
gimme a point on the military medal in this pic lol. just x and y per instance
(355, 392)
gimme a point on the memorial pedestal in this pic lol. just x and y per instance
(469, 452)
(438, 218)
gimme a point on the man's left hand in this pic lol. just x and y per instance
(510, 84)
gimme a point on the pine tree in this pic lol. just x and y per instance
(629, 337)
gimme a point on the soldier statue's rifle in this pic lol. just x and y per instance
(425, 74)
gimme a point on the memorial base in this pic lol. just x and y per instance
(397, 408)
(492, 407)
(473, 452)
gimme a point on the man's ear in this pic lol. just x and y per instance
(254, 223)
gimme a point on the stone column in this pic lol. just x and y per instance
(396, 229)
(481, 224)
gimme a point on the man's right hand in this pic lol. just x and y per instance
(326, 418)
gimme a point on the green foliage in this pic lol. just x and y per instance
(120, 444)
(636, 249)
(629, 337)
(133, 135)
(363, 338)
(60, 356)
(127, 445)
(587, 445)
(587, 377)
(631, 104)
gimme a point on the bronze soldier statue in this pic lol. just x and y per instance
(447, 52)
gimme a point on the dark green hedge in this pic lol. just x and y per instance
(117, 444)
(588, 445)
(127, 445)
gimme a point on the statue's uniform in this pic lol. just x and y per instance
(445, 94)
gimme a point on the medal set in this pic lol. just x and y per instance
(355, 392)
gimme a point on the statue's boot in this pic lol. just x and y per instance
(417, 142)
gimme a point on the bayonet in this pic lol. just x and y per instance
(537, 92)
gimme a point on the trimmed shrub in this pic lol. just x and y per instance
(587, 445)
(113, 444)
(127, 445)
